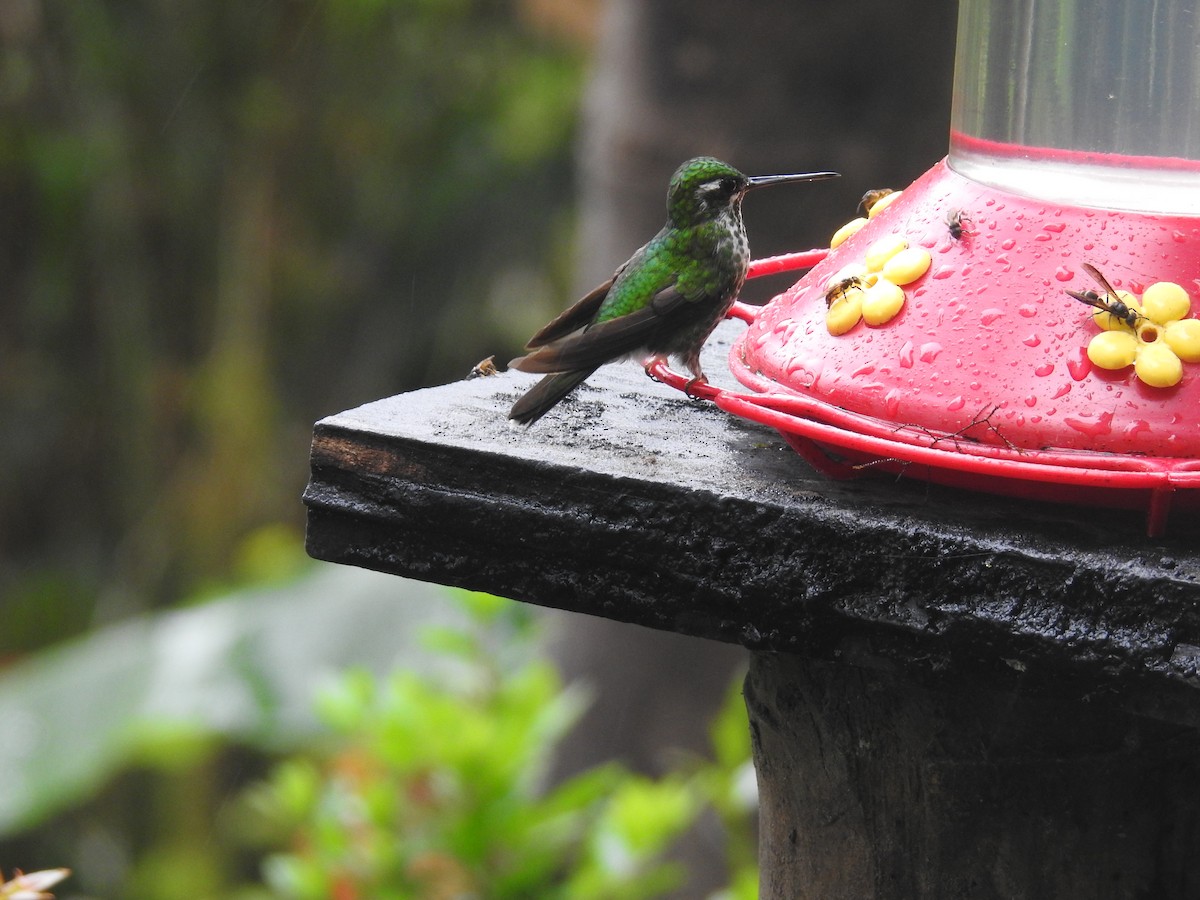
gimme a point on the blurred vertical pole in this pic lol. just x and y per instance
(862, 87)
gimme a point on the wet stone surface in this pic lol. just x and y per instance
(634, 503)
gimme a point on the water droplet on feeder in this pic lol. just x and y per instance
(1102, 424)
(1080, 365)
(929, 351)
(892, 402)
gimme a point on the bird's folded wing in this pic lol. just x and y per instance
(608, 340)
(582, 312)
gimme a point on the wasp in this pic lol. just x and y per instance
(870, 198)
(959, 224)
(1111, 303)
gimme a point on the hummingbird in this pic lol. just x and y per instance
(665, 300)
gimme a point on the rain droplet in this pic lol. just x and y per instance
(990, 315)
(892, 402)
(1080, 365)
(1062, 273)
(1008, 244)
(928, 352)
(1032, 341)
(906, 355)
(1044, 370)
(1101, 425)
(1056, 227)
(956, 404)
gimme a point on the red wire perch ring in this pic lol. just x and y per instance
(864, 443)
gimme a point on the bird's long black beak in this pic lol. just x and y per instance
(764, 180)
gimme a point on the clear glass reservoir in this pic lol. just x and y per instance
(1088, 102)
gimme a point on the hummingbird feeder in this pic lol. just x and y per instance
(1022, 319)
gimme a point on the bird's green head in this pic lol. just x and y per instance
(704, 187)
(701, 189)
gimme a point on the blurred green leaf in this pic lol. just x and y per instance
(484, 607)
(743, 886)
(159, 688)
(645, 814)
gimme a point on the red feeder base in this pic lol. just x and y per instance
(983, 379)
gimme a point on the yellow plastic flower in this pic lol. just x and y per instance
(873, 290)
(1158, 342)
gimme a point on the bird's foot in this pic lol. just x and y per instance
(691, 383)
(652, 363)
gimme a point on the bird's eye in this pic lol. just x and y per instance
(728, 185)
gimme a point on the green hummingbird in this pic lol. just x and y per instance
(665, 300)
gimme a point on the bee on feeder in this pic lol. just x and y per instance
(841, 286)
(484, 369)
(959, 224)
(870, 198)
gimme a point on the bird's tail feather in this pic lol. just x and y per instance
(544, 395)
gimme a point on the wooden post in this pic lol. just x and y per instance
(874, 787)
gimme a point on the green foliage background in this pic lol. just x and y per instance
(222, 219)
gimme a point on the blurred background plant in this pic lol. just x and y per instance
(435, 786)
(424, 780)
